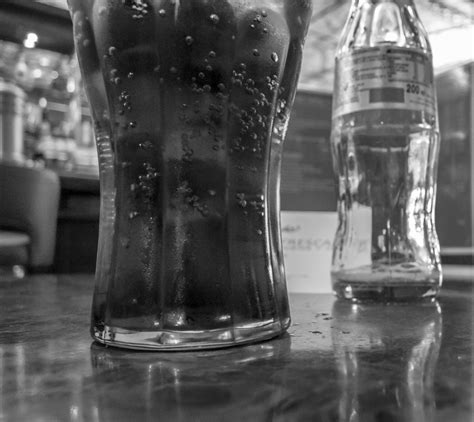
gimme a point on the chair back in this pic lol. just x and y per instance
(29, 202)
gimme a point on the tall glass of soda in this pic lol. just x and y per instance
(190, 101)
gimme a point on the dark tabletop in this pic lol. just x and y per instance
(338, 362)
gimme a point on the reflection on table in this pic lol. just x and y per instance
(338, 362)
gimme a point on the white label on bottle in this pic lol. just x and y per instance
(384, 77)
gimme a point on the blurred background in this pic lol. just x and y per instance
(45, 123)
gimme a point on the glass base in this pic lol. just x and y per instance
(168, 340)
(368, 292)
(387, 284)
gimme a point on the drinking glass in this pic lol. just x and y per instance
(190, 101)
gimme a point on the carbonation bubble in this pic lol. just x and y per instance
(162, 13)
(214, 18)
(255, 52)
(212, 54)
(130, 75)
(112, 51)
(189, 40)
(274, 57)
(241, 200)
(146, 145)
(124, 100)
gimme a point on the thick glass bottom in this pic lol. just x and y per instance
(169, 340)
(383, 288)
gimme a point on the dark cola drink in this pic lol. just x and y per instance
(190, 101)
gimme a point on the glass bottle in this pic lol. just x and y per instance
(385, 144)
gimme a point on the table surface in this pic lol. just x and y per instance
(338, 362)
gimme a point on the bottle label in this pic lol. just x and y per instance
(384, 77)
